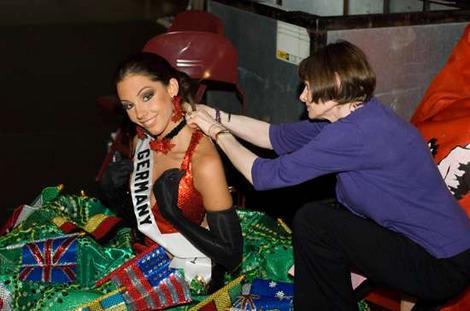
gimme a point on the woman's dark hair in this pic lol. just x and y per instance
(158, 69)
(340, 72)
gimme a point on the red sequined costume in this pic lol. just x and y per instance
(189, 199)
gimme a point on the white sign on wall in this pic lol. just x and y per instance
(292, 43)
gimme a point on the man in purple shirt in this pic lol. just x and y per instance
(397, 222)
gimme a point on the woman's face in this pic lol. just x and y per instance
(317, 110)
(147, 103)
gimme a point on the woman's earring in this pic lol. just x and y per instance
(177, 112)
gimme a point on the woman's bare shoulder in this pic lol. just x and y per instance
(206, 156)
(209, 176)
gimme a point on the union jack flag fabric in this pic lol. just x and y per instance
(149, 282)
(51, 260)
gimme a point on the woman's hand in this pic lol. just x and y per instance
(208, 109)
(204, 122)
(246, 128)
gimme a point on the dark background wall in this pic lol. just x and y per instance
(56, 58)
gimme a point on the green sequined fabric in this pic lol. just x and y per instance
(94, 259)
(267, 247)
(267, 254)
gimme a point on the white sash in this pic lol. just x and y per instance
(186, 256)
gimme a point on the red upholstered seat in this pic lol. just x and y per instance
(197, 20)
(204, 56)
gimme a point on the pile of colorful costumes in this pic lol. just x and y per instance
(69, 252)
(66, 252)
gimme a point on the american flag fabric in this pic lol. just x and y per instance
(50, 260)
(149, 282)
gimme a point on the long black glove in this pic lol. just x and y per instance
(114, 189)
(223, 243)
(116, 176)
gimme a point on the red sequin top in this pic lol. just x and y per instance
(189, 199)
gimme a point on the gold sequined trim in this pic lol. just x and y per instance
(95, 305)
(94, 222)
(59, 221)
(221, 297)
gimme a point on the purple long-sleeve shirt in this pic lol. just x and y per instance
(385, 172)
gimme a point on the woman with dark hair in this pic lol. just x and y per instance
(396, 223)
(178, 187)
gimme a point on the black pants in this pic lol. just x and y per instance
(330, 241)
